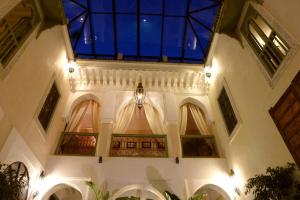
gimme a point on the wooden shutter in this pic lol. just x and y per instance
(286, 115)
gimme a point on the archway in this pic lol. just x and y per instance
(212, 192)
(62, 191)
(139, 192)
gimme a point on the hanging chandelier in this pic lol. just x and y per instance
(139, 95)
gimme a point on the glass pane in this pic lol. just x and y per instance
(207, 17)
(83, 3)
(127, 34)
(176, 7)
(101, 6)
(263, 26)
(71, 9)
(258, 39)
(151, 6)
(204, 35)
(127, 6)
(103, 34)
(150, 30)
(84, 45)
(192, 49)
(173, 37)
(75, 28)
(202, 4)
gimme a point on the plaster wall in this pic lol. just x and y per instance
(24, 89)
(183, 179)
(257, 144)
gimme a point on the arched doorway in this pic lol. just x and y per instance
(138, 192)
(212, 192)
(81, 132)
(62, 191)
(195, 130)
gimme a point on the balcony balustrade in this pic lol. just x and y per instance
(198, 146)
(73, 143)
(129, 145)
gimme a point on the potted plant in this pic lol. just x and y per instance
(101, 193)
(276, 184)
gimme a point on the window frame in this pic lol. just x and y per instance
(237, 127)
(37, 16)
(41, 104)
(276, 28)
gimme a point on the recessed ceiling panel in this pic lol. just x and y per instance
(146, 30)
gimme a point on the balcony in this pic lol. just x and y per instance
(74, 143)
(142, 145)
(198, 146)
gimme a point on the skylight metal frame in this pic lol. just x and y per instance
(188, 20)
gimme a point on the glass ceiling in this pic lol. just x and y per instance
(145, 30)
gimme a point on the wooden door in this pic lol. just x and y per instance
(286, 115)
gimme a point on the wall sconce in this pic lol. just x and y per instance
(233, 180)
(100, 159)
(207, 71)
(72, 66)
(139, 95)
(42, 175)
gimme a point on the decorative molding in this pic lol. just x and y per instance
(106, 76)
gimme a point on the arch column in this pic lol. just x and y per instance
(171, 119)
(107, 119)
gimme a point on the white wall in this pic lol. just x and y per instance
(25, 87)
(257, 144)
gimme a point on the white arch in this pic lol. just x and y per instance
(80, 99)
(128, 188)
(197, 103)
(220, 190)
(58, 187)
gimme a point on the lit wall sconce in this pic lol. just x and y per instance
(139, 95)
(72, 66)
(207, 71)
(234, 182)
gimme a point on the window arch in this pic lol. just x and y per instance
(193, 120)
(146, 120)
(85, 117)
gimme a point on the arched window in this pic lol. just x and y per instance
(145, 120)
(193, 120)
(81, 133)
(15, 27)
(85, 117)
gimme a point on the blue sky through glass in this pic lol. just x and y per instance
(144, 30)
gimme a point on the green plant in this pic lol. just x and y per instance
(11, 184)
(277, 184)
(101, 193)
(198, 197)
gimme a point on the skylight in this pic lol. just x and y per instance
(142, 30)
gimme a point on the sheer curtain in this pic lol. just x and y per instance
(200, 120)
(77, 115)
(183, 119)
(95, 116)
(124, 118)
(154, 119)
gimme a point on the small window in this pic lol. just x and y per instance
(229, 116)
(270, 48)
(15, 28)
(49, 106)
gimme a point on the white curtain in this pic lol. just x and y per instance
(95, 116)
(199, 119)
(183, 119)
(154, 119)
(124, 118)
(77, 115)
